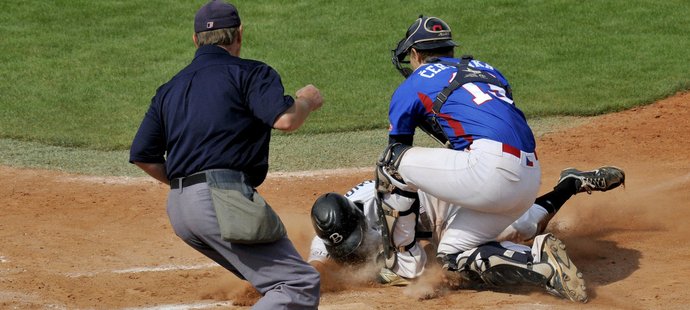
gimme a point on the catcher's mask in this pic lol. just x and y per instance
(341, 225)
(426, 33)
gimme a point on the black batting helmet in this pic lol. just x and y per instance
(426, 33)
(340, 224)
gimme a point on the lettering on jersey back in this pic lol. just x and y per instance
(431, 70)
(479, 64)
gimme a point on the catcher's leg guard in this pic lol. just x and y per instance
(546, 265)
(387, 177)
(389, 181)
(495, 265)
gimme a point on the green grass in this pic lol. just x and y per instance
(80, 74)
(289, 153)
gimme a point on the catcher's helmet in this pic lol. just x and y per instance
(340, 224)
(426, 33)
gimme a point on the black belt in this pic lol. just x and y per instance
(188, 181)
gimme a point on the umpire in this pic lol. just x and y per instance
(207, 134)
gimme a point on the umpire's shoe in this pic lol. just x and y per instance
(602, 179)
(566, 281)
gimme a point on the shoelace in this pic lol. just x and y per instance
(591, 183)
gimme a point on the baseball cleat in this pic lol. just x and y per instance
(567, 281)
(602, 179)
(390, 278)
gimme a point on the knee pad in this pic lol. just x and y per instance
(496, 265)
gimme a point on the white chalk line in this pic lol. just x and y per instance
(32, 299)
(187, 306)
(143, 269)
(28, 300)
(181, 306)
(19, 296)
(271, 175)
(317, 173)
(212, 304)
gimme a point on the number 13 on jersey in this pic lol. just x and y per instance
(480, 96)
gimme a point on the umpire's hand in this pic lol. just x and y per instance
(307, 99)
(312, 95)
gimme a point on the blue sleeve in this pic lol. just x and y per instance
(266, 96)
(149, 142)
(404, 112)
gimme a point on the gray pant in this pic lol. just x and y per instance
(275, 269)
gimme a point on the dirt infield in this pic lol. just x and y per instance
(74, 242)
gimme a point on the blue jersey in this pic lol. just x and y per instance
(473, 111)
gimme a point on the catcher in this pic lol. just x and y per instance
(348, 232)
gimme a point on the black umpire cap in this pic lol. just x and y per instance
(216, 15)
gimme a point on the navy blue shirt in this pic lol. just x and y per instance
(217, 113)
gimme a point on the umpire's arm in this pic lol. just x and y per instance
(156, 170)
(307, 99)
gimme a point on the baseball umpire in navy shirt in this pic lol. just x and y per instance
(206, 134)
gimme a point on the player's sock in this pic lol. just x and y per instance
(554, 200)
